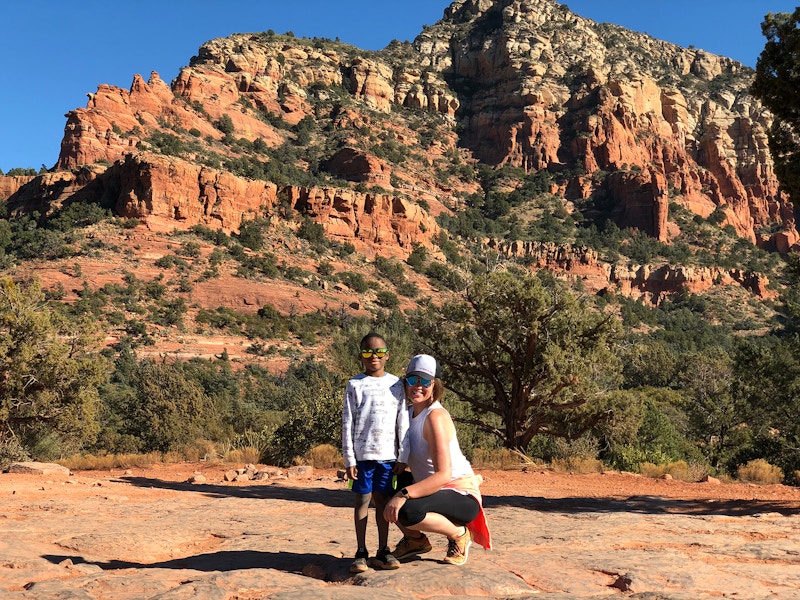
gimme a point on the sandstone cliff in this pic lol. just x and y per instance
(371, 144)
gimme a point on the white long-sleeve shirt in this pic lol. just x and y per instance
(374, 419)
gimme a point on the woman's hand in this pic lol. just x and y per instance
(392, 510)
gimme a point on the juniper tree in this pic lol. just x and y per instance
(526, 353)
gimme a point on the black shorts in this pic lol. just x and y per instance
(459, 508)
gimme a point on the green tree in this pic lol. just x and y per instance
(49, 376)
(776, 83)
(715, 416)
(525, 352)
(168, 409)
(768, 380)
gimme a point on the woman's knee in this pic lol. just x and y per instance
(408, 516)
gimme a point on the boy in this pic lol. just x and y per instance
(374, 425)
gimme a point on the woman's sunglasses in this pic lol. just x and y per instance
(413, 380)
(370, 352)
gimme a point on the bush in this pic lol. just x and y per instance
(355, 281)
(759, 471)
(497, 458)
(387, 299)
(391, 269)
(408, 289)
(679, 470)
(324, 456)
(246, 455)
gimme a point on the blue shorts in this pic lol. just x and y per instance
(374, 475)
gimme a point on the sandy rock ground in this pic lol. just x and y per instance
(150, 534)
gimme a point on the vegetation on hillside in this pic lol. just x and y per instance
(532, 363)
(641, 385)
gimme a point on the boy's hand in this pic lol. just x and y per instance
(352, 472)
(399, 468)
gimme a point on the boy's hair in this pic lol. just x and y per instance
(371, 335)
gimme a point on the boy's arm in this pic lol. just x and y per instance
(348, 452)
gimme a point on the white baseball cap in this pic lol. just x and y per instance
(422, 365)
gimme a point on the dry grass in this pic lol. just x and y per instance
(323, 456)
(577, 464)
(499, 458)
(247, 455)
(200, 450)
(759, 471)
(197, 451)
(111, 461)
(678, 470)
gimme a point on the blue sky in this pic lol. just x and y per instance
(55, 53)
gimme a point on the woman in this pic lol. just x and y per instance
(444, 497)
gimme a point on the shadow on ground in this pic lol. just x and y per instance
(634, 504)
(226, 560)
(267, 491)
(645, 505)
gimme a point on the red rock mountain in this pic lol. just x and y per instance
(373, 145)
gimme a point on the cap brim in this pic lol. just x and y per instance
(420, 374)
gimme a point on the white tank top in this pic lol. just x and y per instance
(419, 459)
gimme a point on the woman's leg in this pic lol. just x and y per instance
(436, 523)
(457, 509)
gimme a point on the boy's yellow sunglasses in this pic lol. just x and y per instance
(370, 352)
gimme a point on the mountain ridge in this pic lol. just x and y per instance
(376, 147)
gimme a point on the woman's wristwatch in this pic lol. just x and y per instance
(404, 493)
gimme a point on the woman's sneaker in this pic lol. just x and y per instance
(384, 559)
(458, 549)
(411, 547)
(360, 563)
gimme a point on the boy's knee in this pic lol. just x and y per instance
(380, 499)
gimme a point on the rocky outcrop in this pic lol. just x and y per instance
(361, 167)
(167, 192)
(543, 88)
(621, 120)
(10, 184)
(649, 283)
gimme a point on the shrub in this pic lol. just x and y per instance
(312, 231)
(679, 470)
(496, 458)
(577, 464)
(408, 289)
(355, 281)
(325, 268)
(225, 124)
(418, 257)
(391, 269)
(324, 456)
(759, 471)
(387, 299)
(317, 420)
(246, 455)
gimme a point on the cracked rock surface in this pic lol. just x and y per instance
(165, 532)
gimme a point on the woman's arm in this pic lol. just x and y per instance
(437, 431)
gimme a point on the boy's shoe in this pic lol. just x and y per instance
(360, 563)
(458, 548)
(384, 559)
(409, 546)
